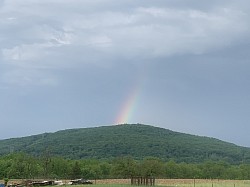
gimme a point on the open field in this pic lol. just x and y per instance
(202, 183)
(164, 183)
(183, 182)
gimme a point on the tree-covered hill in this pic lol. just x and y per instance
(135, 140)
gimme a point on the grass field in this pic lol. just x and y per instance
(177, 183)
(181, 184)
(202, 183)
(166, 183)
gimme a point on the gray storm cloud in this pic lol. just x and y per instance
(73, 62)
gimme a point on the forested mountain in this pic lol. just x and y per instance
(135, 140)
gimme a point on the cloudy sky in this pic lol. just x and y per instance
(178, 64)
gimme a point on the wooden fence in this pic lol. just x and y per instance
(146, 181)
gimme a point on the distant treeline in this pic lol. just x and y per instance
(23, 166)
(135, 140)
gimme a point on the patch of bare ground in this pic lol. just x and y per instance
(113, 181)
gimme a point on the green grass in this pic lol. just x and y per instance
(217, 184)
(102, 185)
(208, 184)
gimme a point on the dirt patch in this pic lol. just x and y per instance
(113, 181)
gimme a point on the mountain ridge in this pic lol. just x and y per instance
(135, 140)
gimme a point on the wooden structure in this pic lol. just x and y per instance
(146, 181)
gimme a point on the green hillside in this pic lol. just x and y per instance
(135, 140)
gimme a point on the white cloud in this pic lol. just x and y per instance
(23, 52)
(147, 30)
(72, 31)
(24, 77)
(31, 55)
(164, 32)
(157, 31)
(101, 41)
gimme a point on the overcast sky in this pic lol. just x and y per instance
(178, 64)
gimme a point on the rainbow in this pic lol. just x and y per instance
(128, 107)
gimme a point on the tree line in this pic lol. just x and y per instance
(24, 166)
(135, 140)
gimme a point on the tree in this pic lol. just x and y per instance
(152, 167)
(76, 170)
(22, 166)
(105, 168)
(46, 159)
(171, 169)
(60, 167)
(123, 167)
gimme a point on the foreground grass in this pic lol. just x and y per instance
(164, 183)
(191, 183)
(205, 183)
(103, 185)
